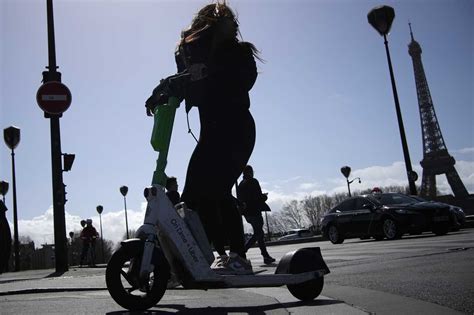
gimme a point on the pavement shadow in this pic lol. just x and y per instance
(261, 309)
(55, 274)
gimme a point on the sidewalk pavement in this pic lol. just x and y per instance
(27, 285)
(46, 280)
(28, 292)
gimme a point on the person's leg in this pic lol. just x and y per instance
(211, 219)
(258, 230)
(242, 141)
(92, 254)
(85, 249)
(233, 227)
(251, 241)
(199, 191)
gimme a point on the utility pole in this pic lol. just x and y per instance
(54, 98)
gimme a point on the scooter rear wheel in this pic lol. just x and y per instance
(303, 261)
(122, 278)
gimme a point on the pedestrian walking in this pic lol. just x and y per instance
(253, 200)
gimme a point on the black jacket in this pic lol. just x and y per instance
(229, 74)
(250, 193)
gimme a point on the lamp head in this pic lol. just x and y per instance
(11, 135)
(124, 190)
(381, 18)
(346, 171)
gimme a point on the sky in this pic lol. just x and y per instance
(322, 100)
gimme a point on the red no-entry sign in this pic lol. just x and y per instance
(54, 97)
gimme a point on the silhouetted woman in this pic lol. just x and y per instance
(223, 70)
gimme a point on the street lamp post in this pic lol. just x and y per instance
(11, 136)
(99, 209)
(124, 191)
(381, 19)
(346, 171)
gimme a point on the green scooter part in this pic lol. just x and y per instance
(161, 137)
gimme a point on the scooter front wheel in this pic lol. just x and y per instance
(304, 260)
(122, 278)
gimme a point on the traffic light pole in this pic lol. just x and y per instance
(59, 195)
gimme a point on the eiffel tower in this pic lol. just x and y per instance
(436, 159)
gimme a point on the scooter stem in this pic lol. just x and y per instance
(161, 137)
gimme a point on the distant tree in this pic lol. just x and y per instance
(338, 198)
(315, 208)
(293, 215)
(276, 224)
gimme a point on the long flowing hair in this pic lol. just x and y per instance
(206, 18)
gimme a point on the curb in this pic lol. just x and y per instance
(49, 290)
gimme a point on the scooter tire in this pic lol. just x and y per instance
(303, 261)
(114, 277)
(307, 291)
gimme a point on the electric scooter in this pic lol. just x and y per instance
(172, 241)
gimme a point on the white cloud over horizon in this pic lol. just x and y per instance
(40, 228)
(464, 151)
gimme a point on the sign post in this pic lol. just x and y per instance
(54, 99)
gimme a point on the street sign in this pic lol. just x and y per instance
(53, 97)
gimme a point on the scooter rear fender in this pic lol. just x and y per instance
(302, 260)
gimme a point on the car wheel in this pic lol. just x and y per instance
(391, 229)
(335, 235)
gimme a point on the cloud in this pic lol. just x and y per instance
(307, 186)
(464, 151)
(40, 229)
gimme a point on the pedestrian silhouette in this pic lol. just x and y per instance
(253, 203)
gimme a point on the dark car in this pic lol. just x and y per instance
(384, 215)
(457, 213)
(296, 234)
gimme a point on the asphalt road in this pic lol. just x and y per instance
(435, 269)
(423, 274)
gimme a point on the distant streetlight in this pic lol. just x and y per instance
(11, 135)
(381, 19)
(124, 191)
(346, 171)
(99, 209)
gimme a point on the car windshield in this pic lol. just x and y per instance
(393, 199)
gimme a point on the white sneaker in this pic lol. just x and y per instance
(232, 265)
(220, 262)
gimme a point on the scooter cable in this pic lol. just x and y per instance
(189, 128)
